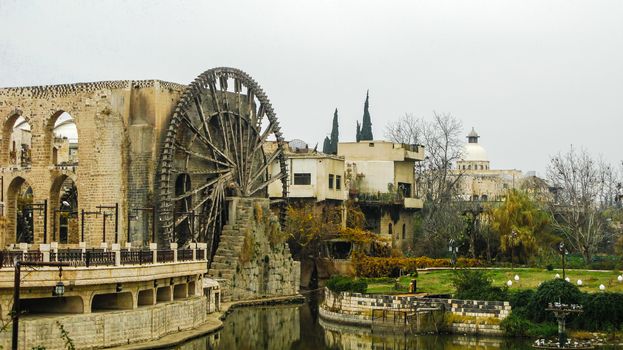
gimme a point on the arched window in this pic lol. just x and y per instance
(19, 211)
(64, 211)
(19, 133)
(64, 140)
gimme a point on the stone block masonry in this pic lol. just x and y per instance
(251, 257)
(467, 316)
(106, 329)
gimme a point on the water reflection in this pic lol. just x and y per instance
(299, 328)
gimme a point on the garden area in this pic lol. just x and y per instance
(440, 281)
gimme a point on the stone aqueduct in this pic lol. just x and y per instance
(122, 127)
(118, 125)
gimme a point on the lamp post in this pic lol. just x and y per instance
(563, 251)
(513, 235)
(153, 221)
(83, 214)
(116, 207)
(453, 250)
(58, 290)
(40, 207)
(65, 208)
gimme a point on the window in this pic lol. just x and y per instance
(389, 229)
(302, 179)
(330, 180)
(405, 189)
(338, 182)
(404, 231)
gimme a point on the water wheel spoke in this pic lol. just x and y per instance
(266, 183)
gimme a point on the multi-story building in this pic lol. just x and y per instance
(380, 177)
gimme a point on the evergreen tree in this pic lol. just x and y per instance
(326, 146)
(358, 135)
(335, 135)
(366, 126)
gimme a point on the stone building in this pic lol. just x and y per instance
(380, 178)
(164, 191)
(478, 181)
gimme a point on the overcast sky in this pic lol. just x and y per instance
(533, 77)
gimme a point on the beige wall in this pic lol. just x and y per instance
(379, 150)
(319, 166)
(118, 124)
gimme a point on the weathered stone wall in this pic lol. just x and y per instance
(106, 329)
(119, 125)
(468, 316)
(257, 267)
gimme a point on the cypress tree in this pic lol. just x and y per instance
(326, 146)
(366, 126)
(358, 134)
(335, 134)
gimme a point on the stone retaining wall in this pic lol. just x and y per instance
(468, 316)
(106, 329)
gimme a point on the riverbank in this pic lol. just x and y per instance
(213, 323)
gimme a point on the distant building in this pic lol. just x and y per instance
(380, 177)
(313, 176)
(478, 181)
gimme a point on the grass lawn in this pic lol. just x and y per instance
(439, 281)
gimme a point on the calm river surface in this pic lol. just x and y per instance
(297, 327)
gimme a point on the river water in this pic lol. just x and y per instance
(297, 327)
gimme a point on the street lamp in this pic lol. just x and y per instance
(59, 290)
(563, 251)
(40, 207)
(453, 250)
(512, 242)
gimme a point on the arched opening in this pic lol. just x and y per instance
(52, 305)
(64, 210)
(62, 139)
(163, 294)
(180, 291)
(17, 142)
(19, 212)
(183, 232)
(112, 301)
(146, 297)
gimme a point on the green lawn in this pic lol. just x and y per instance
(439, 281)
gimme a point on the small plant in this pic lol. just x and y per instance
(549, 267)
(247, 247)
(69, 343)
(339, 284)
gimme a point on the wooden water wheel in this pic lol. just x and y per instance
(213, 148)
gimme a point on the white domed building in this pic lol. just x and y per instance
(478, 180)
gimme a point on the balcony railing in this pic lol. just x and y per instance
(164, 256)
(104, 257)
(137, 257)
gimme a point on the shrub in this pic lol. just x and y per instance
(549, 267)
(517, 326)
(519, 300)
(557, 290)
(339, 284)
(602, 311)
(476, 285)
(366, 266)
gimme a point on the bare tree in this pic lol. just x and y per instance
(584, 188)
(436, 181)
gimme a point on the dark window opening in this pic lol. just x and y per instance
(302, 179)
(338, 182)
(330, 180)
(405, 189)
(404, 229)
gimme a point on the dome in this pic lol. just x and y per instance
(474, 152)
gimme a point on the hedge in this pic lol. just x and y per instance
(366, 266)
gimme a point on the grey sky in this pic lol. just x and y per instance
(532, 77)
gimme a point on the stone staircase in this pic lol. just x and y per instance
(226, 258)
